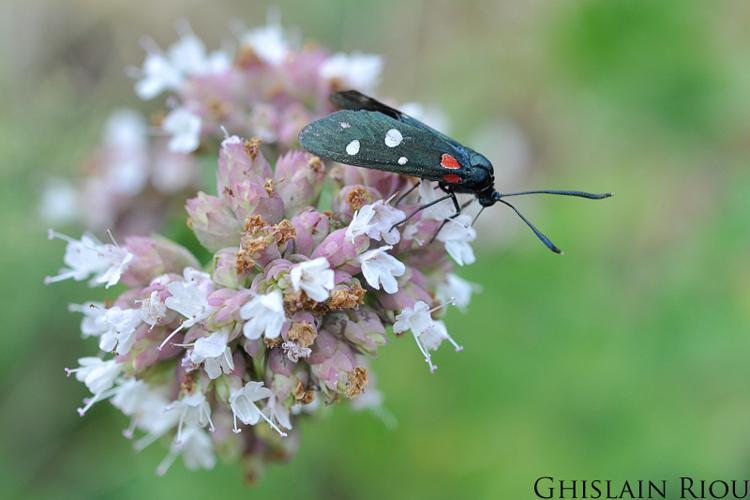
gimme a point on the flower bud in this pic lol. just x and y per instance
(311, 227)
(334, 365)
(250, 198)
(241, 161)
(341, 252)
(154, 256)
(227, 303)
(225, 269)
(299, 178)
(212, 221)
(386, 183)
(245, 181)
(145, 352)
(361, 327)
(294, 117)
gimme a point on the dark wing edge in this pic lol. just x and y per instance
(355, 100)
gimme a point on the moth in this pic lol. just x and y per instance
(369, 134)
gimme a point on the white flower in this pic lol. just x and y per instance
(185, 58)
(152, 309)
(198, 277)
(244, 409)
(379, 267)
(184, 127)
(196, 449)
(98, 375)
(131, 395)
(315, 277)
(357, 70)
(269, 43)
(434, 336)
(121, 325)
(265, 315)
(457, 290)
(146, 406)
(294, 351)
(440, 211)
(418, 319)
(262, 122)
(189, 56)
(214, 353)
(91, 324)
(89, 257)
(158, 74)
(193, 409)
(376, 221)
(276, 410)
(126, 142)
(456, 235)
(190, 299)
(175, 173)
(58, 203)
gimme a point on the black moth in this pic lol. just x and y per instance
(370, 134)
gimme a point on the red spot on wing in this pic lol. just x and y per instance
(447, 161)
(451, 178)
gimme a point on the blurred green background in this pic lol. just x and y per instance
(625, 358)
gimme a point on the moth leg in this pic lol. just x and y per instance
(461, 209)
(447, 189)
(456, 205)
(426, 205)
(411, 189)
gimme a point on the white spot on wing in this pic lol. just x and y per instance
(345, 124)
(352, 148)
(403, 160)
(393, 138)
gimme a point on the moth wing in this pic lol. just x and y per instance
(356, 101)
(372, 139)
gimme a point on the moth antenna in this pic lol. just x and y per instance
(547, 242)
(578, 194)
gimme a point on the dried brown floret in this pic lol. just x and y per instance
(347, 298)
(271, 343)
(299, 301)
(356, 382)
(303, 333)
(303, 394)
(217, 108)
(316, 164)
(187, 385)
(268, 186)
(252, 147)
(253, 223)
(245, 261)
(357, 198)
(284, 231)
(247, 57)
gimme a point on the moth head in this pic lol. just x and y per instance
(481, 161)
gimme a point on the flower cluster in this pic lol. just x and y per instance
(224, 360)
(261, 84)
(311, 263)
